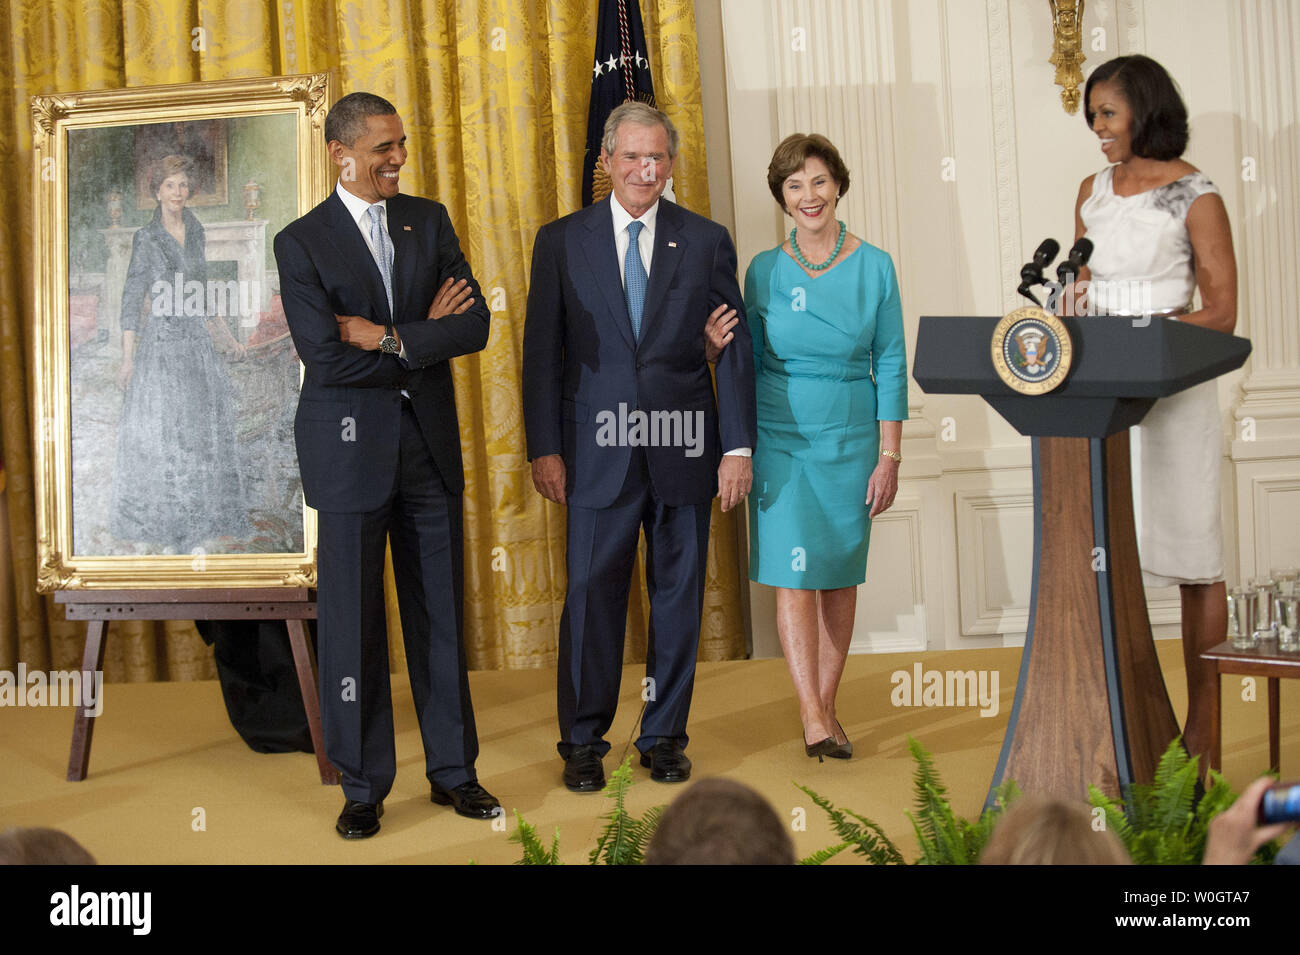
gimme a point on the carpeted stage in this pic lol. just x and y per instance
(164, 750)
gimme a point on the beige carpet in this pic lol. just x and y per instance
(164, 751)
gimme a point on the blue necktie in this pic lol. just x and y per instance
(379, 238)
(634, 278)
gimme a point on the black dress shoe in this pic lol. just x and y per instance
(583, 772)
(359, 820)
(468, 799)
(842, 750)
(822, 748)
(667, 762)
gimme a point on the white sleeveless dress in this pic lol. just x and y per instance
(1141, 263)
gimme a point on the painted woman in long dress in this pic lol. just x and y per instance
(176, 485)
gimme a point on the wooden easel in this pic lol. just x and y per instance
(292, 605)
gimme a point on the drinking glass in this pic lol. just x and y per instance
(1286, 612)
(1241, 619)
(1286, 582)
(1265, 624)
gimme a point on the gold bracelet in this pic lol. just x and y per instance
(897, 458)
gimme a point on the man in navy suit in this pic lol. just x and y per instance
(378, 298)
(623, 428)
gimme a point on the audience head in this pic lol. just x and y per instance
(720, 822)
(36, 846)
(1045, 830)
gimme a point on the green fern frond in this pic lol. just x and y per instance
(613, 842)
(1173, 760)
(929, 793)
(866, 837)
(929, 847)
(874, 844)
(1173, 801)
(821, 855)
(624, 838)
(640, 832)
(1004, 795)
(534, 852)
(1116, 820)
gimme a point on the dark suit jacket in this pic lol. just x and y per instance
(581, 362)
(349, 409)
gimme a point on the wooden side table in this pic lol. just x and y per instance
(1266, 661)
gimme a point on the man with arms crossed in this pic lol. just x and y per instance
(379, 298)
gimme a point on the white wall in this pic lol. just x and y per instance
(963, 159)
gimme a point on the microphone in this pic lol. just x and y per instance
(1079, 255)
(1031, 273)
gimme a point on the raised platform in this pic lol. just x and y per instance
(164, 750)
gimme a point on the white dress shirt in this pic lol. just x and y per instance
(645, 241)
(359, 209)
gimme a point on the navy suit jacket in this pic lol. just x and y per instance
(349, 410)
(581, 362)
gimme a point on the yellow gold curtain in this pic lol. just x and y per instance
(494, 98)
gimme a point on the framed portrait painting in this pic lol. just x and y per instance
(167, 380)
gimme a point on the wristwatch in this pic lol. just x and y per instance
(892, 454)
(388, 344)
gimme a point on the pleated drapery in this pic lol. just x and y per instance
(493, 95)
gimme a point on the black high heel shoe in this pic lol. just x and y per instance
(843, 750)
(822, 749)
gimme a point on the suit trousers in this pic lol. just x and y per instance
(422, 521)
(602, 544)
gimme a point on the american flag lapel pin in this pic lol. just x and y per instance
(406, 228)
(672, 245)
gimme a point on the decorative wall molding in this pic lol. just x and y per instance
(1266, 47)
(1011, 513)
(1006, 177)
(1265, 450)
(1131, 16)
(909, 633)
(1276, 500)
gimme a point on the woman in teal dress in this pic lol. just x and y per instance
(825, 316)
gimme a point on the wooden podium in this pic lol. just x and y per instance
(1091, 704)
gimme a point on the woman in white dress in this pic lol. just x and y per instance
(1160, 232)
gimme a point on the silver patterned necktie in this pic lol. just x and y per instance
(634, 277)
(383, 246)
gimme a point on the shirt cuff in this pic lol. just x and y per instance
(741, 452)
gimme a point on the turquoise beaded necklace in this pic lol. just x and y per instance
(798, 255)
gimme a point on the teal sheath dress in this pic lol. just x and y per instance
(817, 344)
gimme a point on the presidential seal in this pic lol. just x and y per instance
(1031, 350)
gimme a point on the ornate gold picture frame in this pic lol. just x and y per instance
(166, 378)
